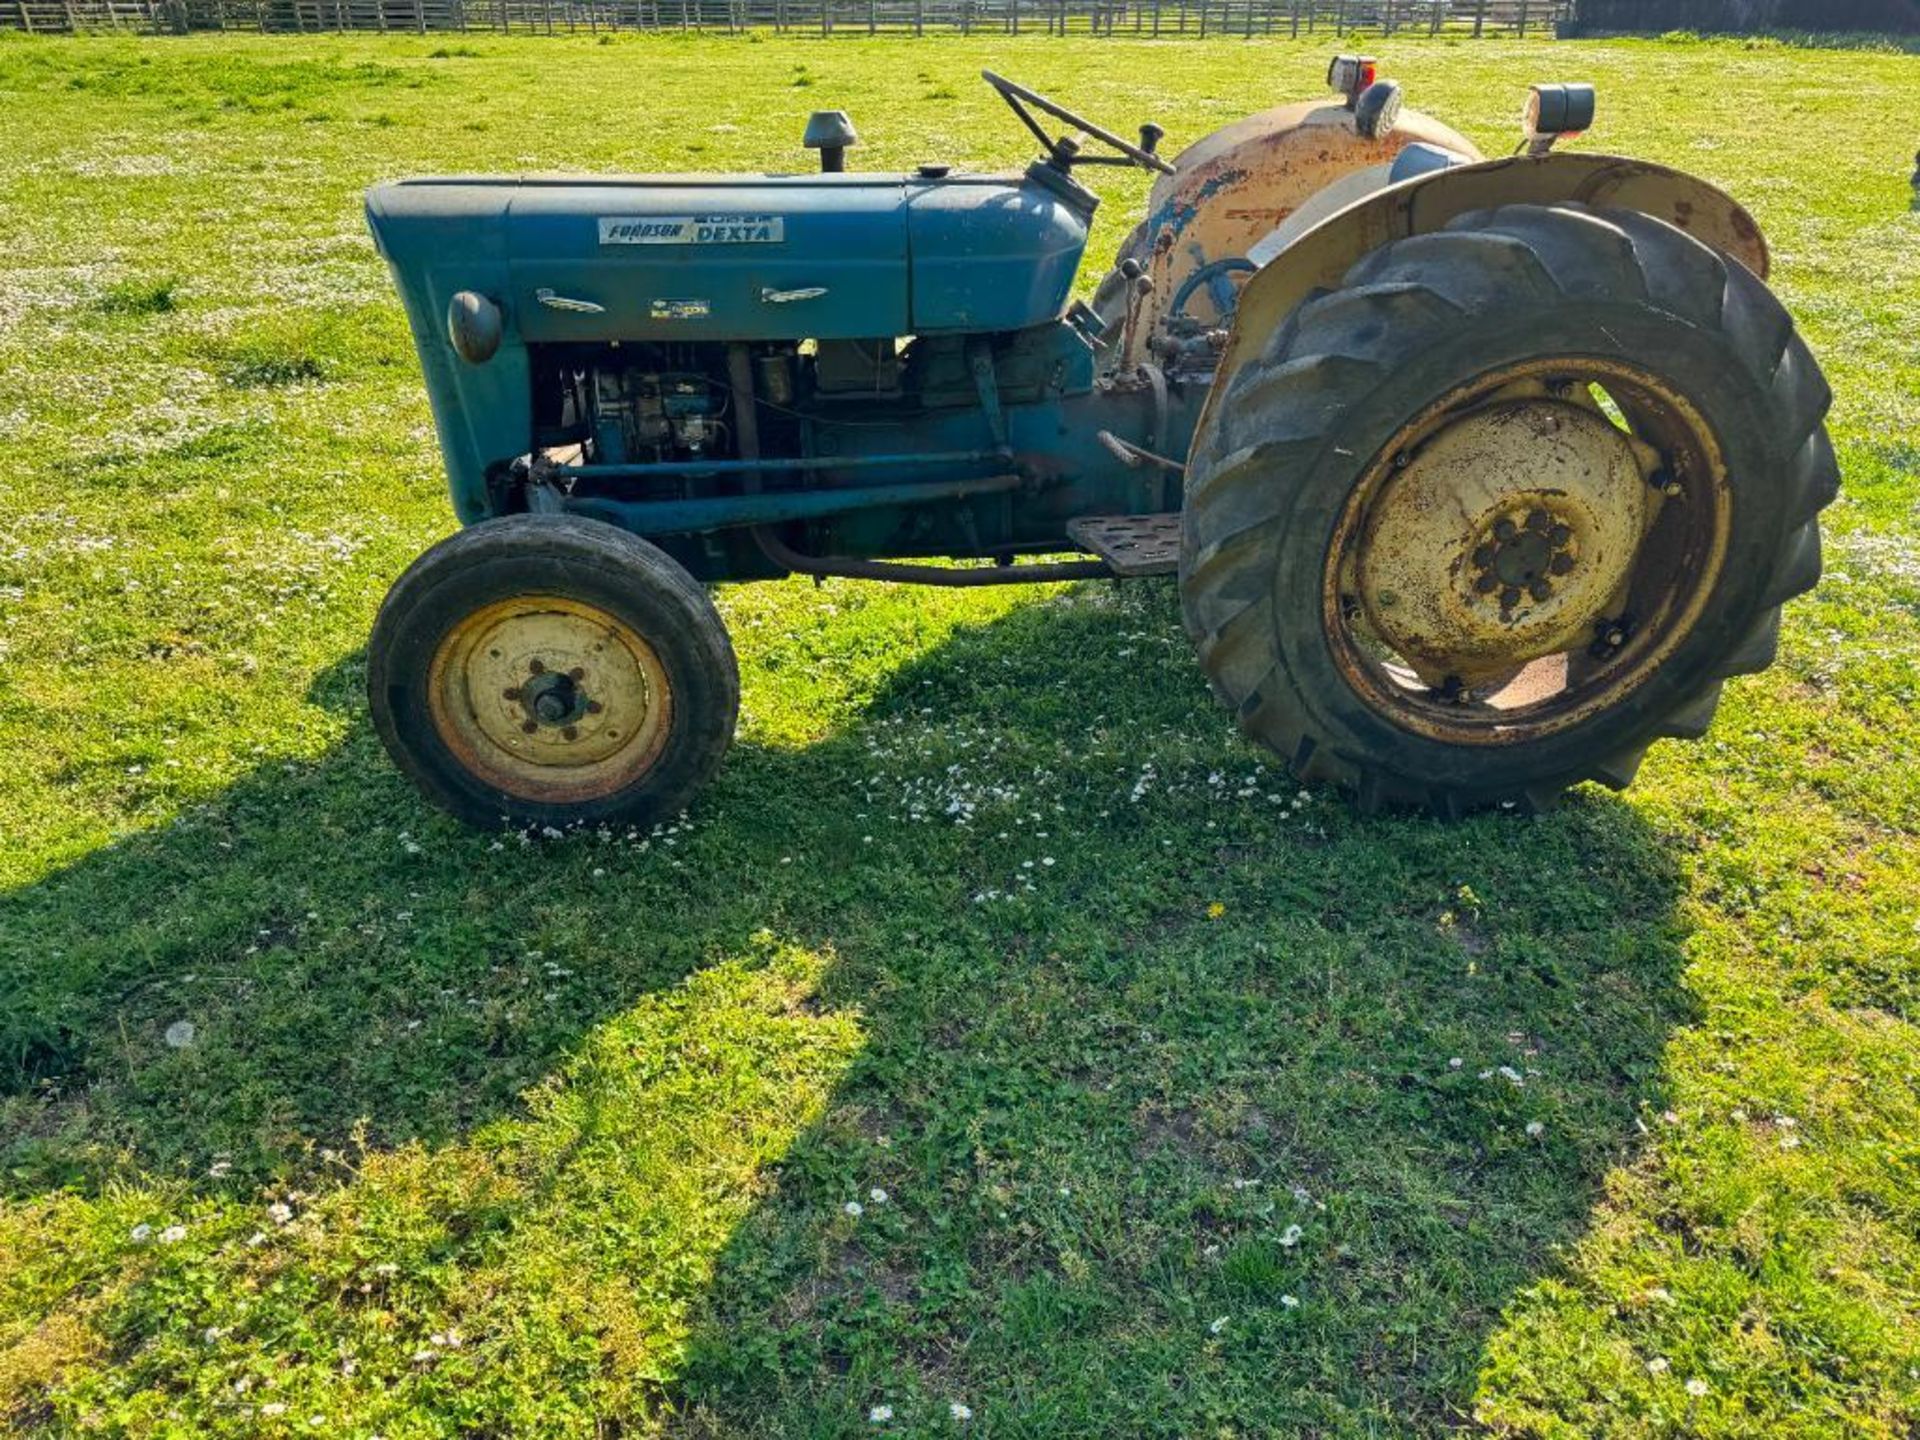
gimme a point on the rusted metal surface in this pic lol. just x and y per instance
(1503, 538)
(1519, 557)
(1428, 202)
(1230, 188)
(550, 700)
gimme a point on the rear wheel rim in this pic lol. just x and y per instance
(550, 699)
(1486, 590)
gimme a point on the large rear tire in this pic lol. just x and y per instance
(1505, 507)
(545, 670)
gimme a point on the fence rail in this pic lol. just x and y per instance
(820, 17)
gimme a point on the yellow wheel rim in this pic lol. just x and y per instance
(1527, 550)
(550, 699)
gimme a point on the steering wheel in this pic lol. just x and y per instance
(1063, 151)
(1213, 275)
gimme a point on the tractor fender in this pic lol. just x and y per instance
(1231, 187)
(1319, 258)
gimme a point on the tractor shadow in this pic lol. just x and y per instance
(1091, 1102)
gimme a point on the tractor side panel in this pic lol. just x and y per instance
(990, 256)
(747, 260)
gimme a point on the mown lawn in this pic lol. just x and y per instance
(999, 1033)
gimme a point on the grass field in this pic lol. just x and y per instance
(1001, 1047)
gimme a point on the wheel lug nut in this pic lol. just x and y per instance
(1539, 589)
(571, 732)
(1560, 534)
(529, 726)
(1537, 521)
(1560, 564)
(1504, 529)
(1509, 598)
(534, 667)
(594, 707)
(1486, 584)
(1483, 555)
(512, 692)
(576, 673)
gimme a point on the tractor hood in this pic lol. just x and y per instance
(777, 257)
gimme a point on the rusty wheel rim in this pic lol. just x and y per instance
(549, 699)
(1526, 551)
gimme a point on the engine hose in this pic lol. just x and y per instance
(747, 433)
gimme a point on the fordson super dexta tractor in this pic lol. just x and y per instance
(1477, 476)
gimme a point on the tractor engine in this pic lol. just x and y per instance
(641, 413)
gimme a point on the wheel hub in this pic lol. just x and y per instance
(554, 697)
(1505, 536)
(550, 698)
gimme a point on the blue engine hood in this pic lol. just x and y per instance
(703, 257)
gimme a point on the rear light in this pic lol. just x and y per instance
(1350, 74)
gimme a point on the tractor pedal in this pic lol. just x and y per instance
(1131, 544)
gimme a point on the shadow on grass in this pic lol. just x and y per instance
(1187, 1016)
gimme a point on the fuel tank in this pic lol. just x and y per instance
(695, 258)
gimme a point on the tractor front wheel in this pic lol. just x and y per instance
(547, 670)
(1506, 507)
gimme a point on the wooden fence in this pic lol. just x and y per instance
(819, 17)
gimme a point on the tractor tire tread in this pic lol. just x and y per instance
(571, 549)
(1335, 346)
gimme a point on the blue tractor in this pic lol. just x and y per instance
(1477, 476)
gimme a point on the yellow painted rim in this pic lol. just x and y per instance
(549, 699)
(1438, 610)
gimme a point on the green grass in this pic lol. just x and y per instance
(1201, 1108)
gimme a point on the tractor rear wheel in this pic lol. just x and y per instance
(553, 671)
(1505, 507)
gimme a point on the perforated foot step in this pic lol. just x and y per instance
(1131, 544)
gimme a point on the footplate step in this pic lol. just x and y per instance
(1131, 544)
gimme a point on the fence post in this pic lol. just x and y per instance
(1523, 19)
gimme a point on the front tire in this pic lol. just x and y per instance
(1505, 507)
(544, 670)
